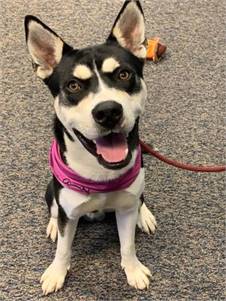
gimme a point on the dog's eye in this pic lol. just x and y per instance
(124, 75)
(74, 86)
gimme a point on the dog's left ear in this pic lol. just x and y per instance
(129, 29)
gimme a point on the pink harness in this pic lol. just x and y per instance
(70, 179)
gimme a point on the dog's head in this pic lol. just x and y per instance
(99, 91)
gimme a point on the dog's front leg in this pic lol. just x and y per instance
(54, 276)
(137, 274)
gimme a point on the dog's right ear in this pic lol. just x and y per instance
(44, 45)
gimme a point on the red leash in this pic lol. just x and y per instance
(181, 165)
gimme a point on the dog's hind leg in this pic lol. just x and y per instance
(146, 220)
(52, 228)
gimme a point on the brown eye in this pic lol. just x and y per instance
(74, 87)
(124, 75)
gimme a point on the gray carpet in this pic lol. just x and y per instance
(183, 119)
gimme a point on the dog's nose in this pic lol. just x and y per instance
(108, 114)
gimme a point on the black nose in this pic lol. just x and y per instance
(108, 114)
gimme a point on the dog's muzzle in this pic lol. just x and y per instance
(113, 151)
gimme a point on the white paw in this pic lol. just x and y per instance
(53, 278)
(137, 274)
(146, 220)
(52, 229)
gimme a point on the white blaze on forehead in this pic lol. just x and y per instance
(82, 72)
(110, 64)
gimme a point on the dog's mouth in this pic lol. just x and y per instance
(113, 151)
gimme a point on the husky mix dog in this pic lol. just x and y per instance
(96, 161)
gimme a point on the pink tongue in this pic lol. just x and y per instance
(113, 148)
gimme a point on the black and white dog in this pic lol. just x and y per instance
(99, 94)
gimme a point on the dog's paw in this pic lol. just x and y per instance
(52, 229)
(137, 274)
(53, 278)
(146, 220)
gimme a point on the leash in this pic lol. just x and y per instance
(155, 50)
(196, 168)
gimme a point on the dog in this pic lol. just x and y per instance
(99, 94)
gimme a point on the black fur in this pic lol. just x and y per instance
(142, 198)
(59, 131)
(133, 138)
(63, 73)
(62, 219)
(53, 191)
(49, 196)
(142, 159)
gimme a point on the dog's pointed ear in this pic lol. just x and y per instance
(129, 29)
(44, 45)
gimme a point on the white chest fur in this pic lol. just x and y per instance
(76, 204)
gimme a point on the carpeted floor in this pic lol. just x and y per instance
(183, 119)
